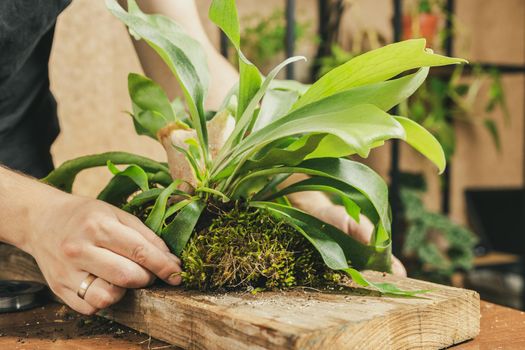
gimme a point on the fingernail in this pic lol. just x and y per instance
(175, 278)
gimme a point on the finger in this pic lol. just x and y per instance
(337, 216)
(134, 223)
(114, 268)
(334, 215)
(397, 267)
(101, 294)
(127, 242)
(362, 230)
(71, 298)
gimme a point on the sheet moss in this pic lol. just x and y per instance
(242, 248)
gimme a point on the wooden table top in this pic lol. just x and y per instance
(56, 327)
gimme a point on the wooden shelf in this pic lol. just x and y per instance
(496, 258)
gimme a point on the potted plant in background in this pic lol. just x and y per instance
(219, 202)
(421, 23)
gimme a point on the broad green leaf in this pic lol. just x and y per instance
(147, 123)
(120, 188)
(360, 127)
(247, 117)
(385, 288)
(161, 178)
(332, 146)
(333, 186)
(183, 55)
(178, 232)
(64, 176)
(156, 216)
(178, 206)
(352, 173)
(224, 14)
(117, 190)
(289, 85)
(149, 96)
(271, 186)
(326, 236)
(352, 208)
(337, 248)
(375, 66)
(276, 103)
(152, 109)
(289, 156)
(331, 252)
(424, 142)
(384, 95)
(142, 199)
(134, 172)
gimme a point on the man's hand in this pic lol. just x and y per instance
(71, 237)
(318, 204)
(336, 216)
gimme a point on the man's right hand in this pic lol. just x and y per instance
(71, 237)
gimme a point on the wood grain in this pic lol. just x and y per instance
(296, 319)
(57, 327)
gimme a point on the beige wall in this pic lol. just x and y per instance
(92, 56)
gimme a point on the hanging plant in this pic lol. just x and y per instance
(218, 202)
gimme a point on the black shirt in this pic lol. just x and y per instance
(28, 115)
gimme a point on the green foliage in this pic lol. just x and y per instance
(246, 248)
(234, 159)
(151, 107)
(441, 246)
(373, 67)
(64, 176)
(338, 57)
(440, 100)
(263, 38)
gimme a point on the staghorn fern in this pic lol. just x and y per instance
(265, 131)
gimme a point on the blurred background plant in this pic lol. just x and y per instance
(435, 248)
(263, 39)
(442, 101)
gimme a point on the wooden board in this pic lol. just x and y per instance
(297, 319)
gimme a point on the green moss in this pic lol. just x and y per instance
(244, 248)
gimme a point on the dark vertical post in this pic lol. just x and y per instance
(395, 200)
(290, 36)
(449, 51)
(324, 37)
(523, 208)
(224, 43)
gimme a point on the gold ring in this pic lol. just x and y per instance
(82, 290)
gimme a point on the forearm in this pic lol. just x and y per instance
(22, 203)
(222, 75)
